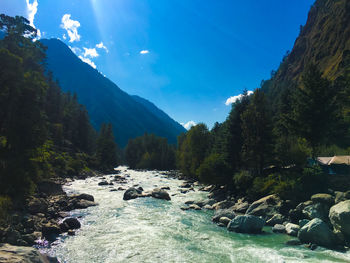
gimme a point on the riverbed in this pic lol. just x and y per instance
(154, 230)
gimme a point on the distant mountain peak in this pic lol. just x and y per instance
(131, 116)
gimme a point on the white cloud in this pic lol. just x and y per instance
(88, 61)
(189, 124)
(142, 52)
(75, 50)
(101, 45)
(233, 99)
(32, 9)
(90, 52)
(64, 36)
(72, 27)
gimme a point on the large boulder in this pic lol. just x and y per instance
(241, 206)
(246, 224)
(339, 215)
(278, 228)
(72, 223)
(266, 207)
(50, 231)
(317, 232)
(132, 193)
(160, 194)
(18, 254)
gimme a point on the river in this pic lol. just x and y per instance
(153, 230)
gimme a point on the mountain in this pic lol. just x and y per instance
(177, 127)
(324, 41)
(104, 100)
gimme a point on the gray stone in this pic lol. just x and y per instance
(224, 220)
(84, 197)
(276, 219)
(339, 216)
(303, 222)
(317, 232)
(160, 194)
(131, 193)
(223, 213)
(246, 224)
(278, 228)
(317, 210)
(72, 223)
(266, 207)
(292, 229)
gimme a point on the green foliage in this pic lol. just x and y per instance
(150, 152)
(213, 170)
(106, 150)
(257, 133)
(5, 207)
(315, 110)
(243, 181)
(193, 149)
(43, 131)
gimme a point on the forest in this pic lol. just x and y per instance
(43, 131)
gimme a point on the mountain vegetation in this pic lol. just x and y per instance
(44, 132)
(131, 116)
(302, 112)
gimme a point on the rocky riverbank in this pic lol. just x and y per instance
(44, 216)
(324, 220)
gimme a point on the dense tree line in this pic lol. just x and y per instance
(150, 152)
(264, 147)
(43, 131)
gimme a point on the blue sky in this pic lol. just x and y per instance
(186, 56)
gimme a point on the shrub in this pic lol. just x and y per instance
(243, 180)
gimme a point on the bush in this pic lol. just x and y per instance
(5, 207)
(243, 180)
(213, 170)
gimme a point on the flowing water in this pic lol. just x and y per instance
(153, 230)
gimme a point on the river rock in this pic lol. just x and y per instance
(131, 193)
(160, 194)
(276, 219)
(293, 242)
(72, 223)
(223, 213)
(266, 207)
(20, 254)
(317, 210)
(292, 229)
(223, 204)
(103, 183)
(339, 216)
(246, 224)
(278, 228)
(194, 207)
(240, 206)
(224, 220)
(317, 232)
(82, 204)
(303, 222)
(37, 205)
(84, 197)
(185, 185)
(50, 231)
(323, 199)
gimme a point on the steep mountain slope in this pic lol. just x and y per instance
(324, 41)
(104, 100)
(177, 127)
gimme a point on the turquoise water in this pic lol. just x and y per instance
(152, 230)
